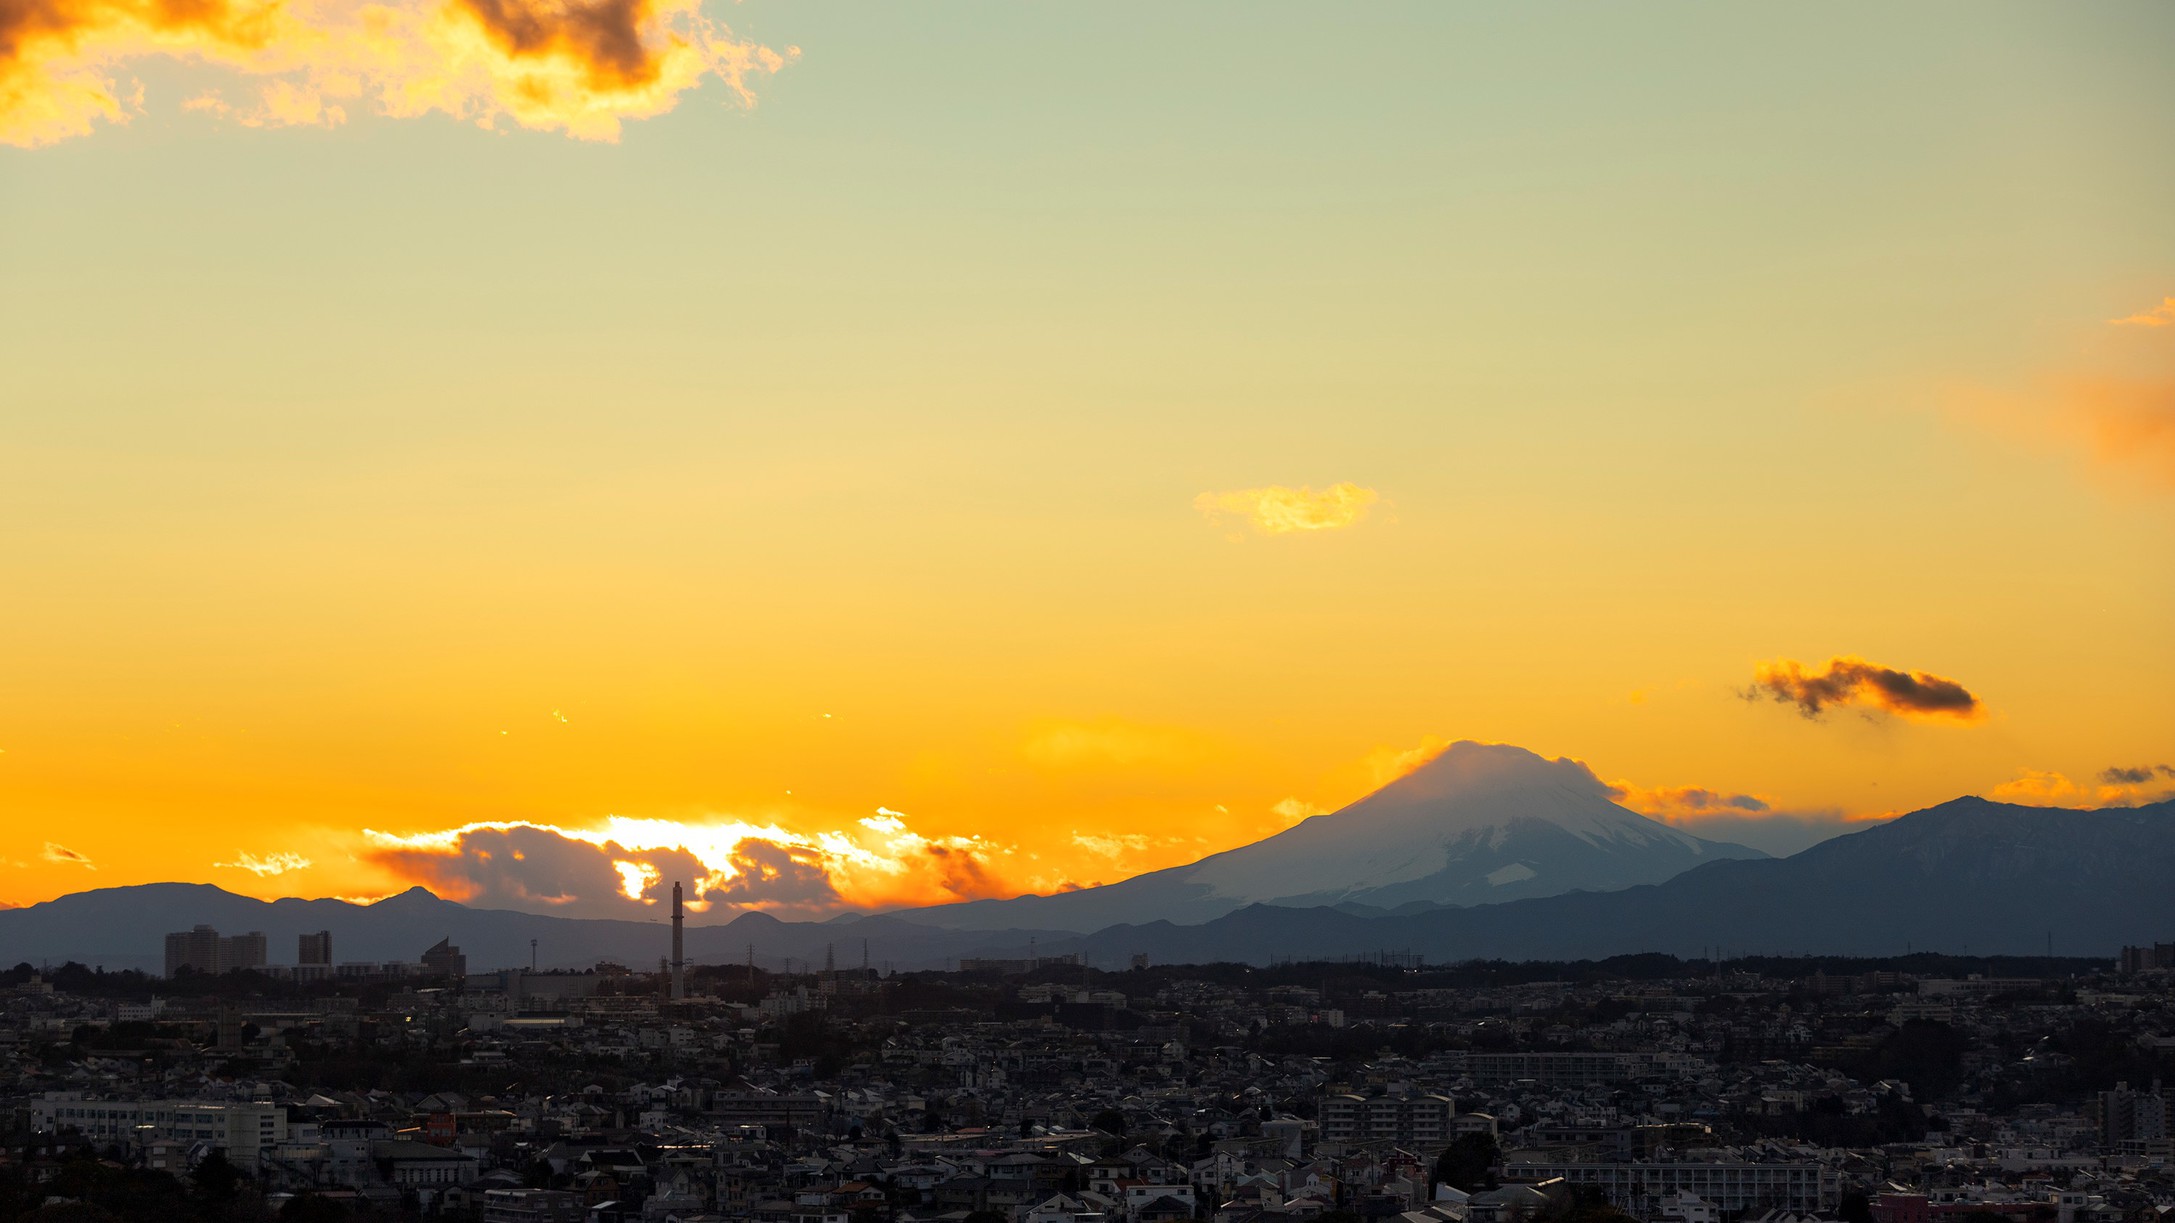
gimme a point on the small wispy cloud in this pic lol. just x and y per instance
(1294, 810)
(2162, 315)
(1387, 764)
(1279, 510)
(67, 857)
(266, 866)
(1849, 680)
(1107, 743)
(1110, 846)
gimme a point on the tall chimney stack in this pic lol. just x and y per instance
(679, 958)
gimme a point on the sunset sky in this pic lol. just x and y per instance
(864, 454)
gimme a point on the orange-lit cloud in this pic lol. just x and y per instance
(65, 856)
(2162, 315)
(2038, 788)
(1278, 510)
(2123, 417)
(266, 866)
(626, 864)
(1848, 680)
(2117, 787)
(1672, 804)
(2131, 424)
(578, 66)
(1293, 810)
(1126, 853)
(2124, 425)
(1112, 846)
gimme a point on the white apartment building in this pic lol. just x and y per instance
(243, 1130)
(1422, 1120)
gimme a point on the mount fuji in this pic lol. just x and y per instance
(1477, 824)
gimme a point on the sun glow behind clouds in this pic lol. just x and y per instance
(266, 865)
(878, 862)
(636, 878)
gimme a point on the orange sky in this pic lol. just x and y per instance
(856, 457)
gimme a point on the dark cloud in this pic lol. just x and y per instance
(534, 869)
(2119, 776)
(774, 875)
(604, 39)
(962, 873)
(1854, 681)
(540, 870)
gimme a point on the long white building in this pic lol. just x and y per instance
(1638, 1188)
(243, 1130)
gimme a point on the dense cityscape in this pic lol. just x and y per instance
(1912, 1090)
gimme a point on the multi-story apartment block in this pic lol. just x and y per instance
(204, 950)
(1421, 1120)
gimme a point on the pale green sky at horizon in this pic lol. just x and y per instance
(1668, 336)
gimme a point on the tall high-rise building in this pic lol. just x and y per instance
(241, 951)
(2125, 1115)
(196, 950)
(445, 960)
(203, 949)
(315, 948)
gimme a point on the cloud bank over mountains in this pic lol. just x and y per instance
(627, 867)
(2116, 786)
(1745, 819)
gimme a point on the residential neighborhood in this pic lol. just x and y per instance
(1667, 1091)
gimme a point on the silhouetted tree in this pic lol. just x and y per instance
(1465, 1164)
(310, 1208)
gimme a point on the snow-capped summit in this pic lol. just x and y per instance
(1478, 823)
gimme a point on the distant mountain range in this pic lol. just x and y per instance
(1968, 876)
(124, 928)
(1478, 824)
